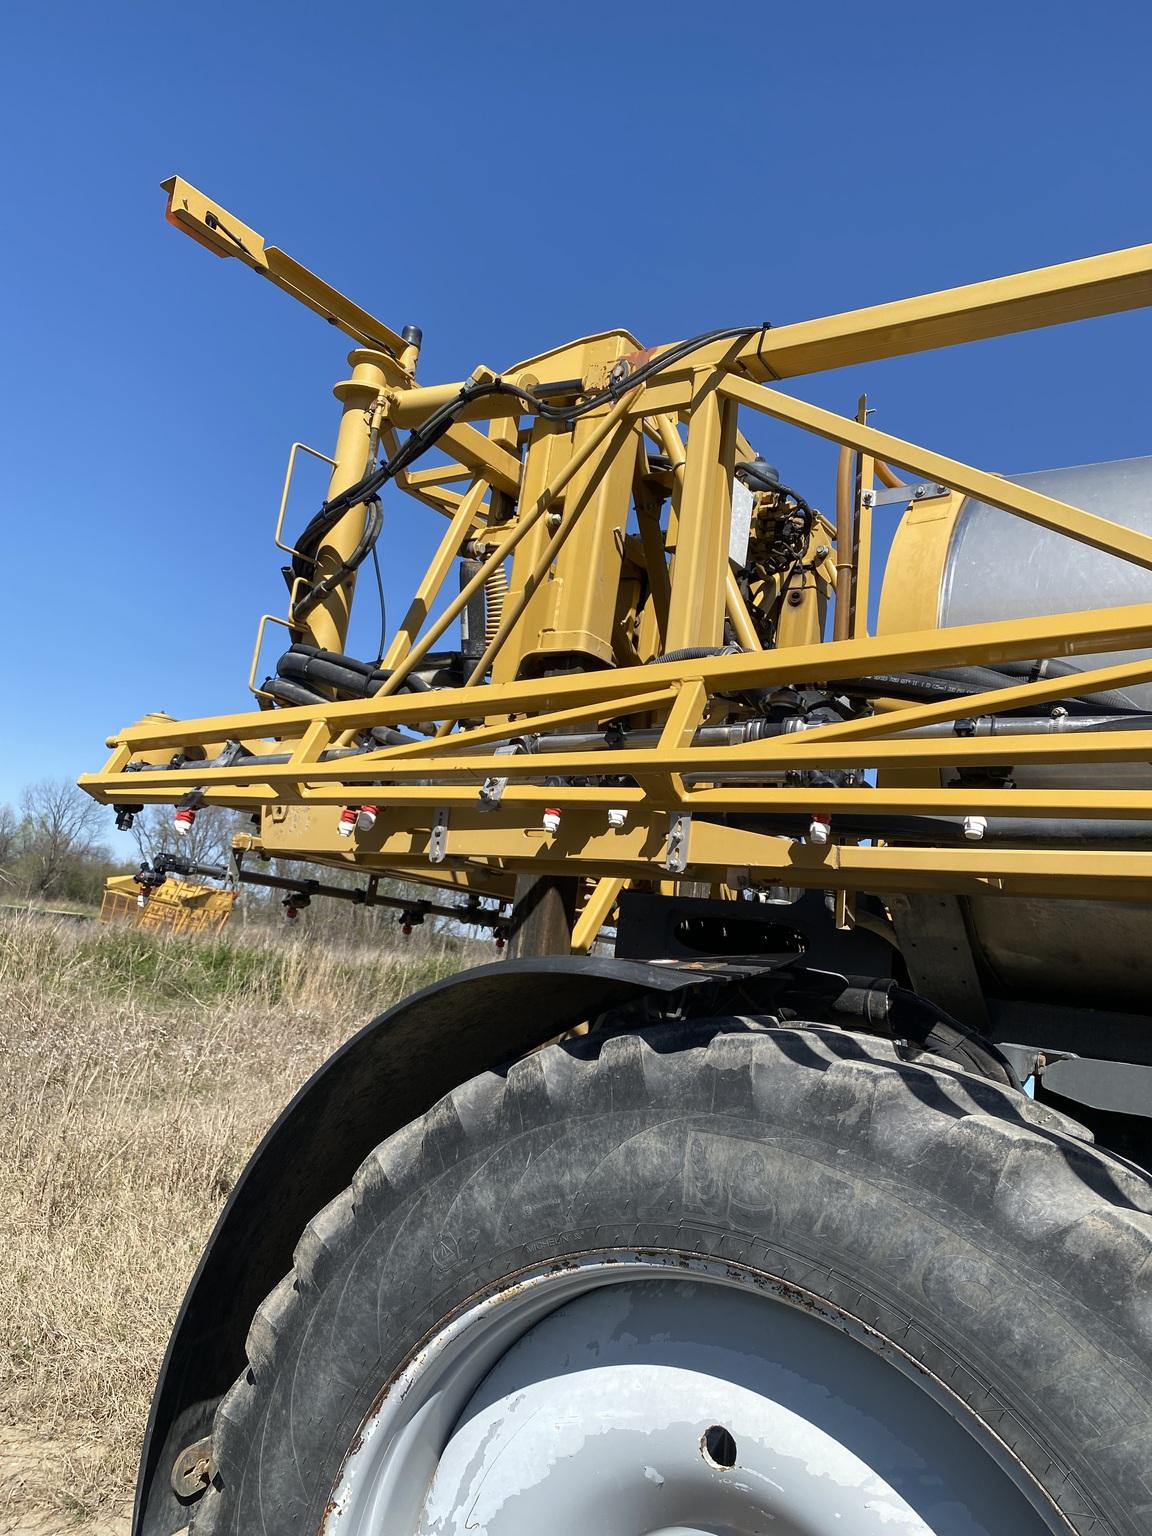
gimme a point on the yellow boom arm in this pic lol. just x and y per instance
(225, 235)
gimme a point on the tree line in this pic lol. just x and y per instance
(57, 844)
(54, 846)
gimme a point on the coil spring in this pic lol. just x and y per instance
(495, 591)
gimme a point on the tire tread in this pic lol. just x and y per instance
(1040, 1182)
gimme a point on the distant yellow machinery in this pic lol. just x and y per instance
(870, 854)
(178, 906)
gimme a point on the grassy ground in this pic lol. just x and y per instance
(136, 1074)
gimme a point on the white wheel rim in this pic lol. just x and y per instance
(647, 1396)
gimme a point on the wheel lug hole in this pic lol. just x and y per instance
(718, 1447)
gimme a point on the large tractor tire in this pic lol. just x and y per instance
(708, 1278)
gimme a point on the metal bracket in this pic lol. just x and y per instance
(438, 840)
(1032, 1060)
(1024, 1059)
(232, 752)
(492, 789)
(193, 1469)
(679, 826)
(926, 491)
(491, 794)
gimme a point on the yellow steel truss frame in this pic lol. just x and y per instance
(552, 502)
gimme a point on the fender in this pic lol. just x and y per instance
(394, 1069)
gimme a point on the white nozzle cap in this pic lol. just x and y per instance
(975, 828)
(617, 817)
(817, 830)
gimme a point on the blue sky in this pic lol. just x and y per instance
(508, 177)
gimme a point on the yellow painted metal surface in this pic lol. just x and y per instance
(613, 518)
(177, 906)
(225, 235)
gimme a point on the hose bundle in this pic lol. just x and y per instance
(959, 682)
(367, 489)
(306, 674)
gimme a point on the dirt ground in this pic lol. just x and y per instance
(34, 1474)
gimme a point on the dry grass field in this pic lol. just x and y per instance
(136, 1074)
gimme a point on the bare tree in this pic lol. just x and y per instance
(60, 831)
(9, 836)
(9, 844)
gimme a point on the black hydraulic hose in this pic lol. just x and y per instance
(414, 683)
(418, 442)
(318, 669)
(373, 523)
(1034, 670)
(801, 504)
(353, 663)
(1007, 677)
(961, 682)
(978, 678)
(305, 664)
(389, 736)
(930, 831)
(1111, 698)
(428, 433)
(292, 693)
(918, 687)
(646, 371)
(308, 544)
(697, 653)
